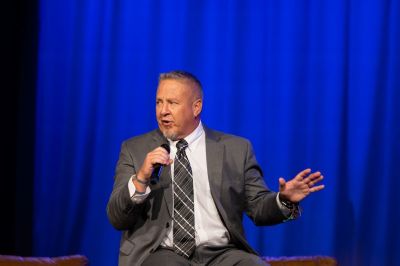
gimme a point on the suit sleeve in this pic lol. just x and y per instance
(121, 210)
(261, 205)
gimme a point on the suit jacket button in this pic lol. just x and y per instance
(167, 225)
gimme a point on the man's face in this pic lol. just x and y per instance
(177, 108)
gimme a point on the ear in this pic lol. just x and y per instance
(197, 107)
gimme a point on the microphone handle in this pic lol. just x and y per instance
(155, 176)
(157, 171)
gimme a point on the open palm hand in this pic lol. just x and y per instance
(300, 186)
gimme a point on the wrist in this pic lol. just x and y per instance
(285, 200)
(289, 204)
(293, 209)
(140, 184)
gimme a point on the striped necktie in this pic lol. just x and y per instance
(183, 230)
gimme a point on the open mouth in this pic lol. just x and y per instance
(166, 123)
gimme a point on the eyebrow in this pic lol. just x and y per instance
(168, 99)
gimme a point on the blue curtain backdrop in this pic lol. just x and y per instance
(310, 83)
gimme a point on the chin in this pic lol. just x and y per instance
(169, 134)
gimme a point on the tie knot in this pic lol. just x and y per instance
(181, 145)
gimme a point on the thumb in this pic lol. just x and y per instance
(282, 184)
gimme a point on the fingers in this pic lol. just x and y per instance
(282, 184)
(159, 155)
(313, 178)
(156, 156)
(315, 181)
(303, 174)
(317, 188)
(310, 179)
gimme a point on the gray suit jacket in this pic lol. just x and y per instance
(236, 184)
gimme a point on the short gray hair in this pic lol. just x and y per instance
(182, 75)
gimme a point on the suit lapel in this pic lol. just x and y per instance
(215, 158)
(166, 185)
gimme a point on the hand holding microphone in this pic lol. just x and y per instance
(155, 176)
(152, 166)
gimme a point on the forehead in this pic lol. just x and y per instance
(174, 88)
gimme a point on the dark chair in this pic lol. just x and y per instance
(73, 260)
(301, 261)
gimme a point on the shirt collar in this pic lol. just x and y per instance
(192, 137)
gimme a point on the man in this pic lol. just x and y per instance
(192, 215)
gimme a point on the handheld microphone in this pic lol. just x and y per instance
(155, 176)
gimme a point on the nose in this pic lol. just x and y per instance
(164, 110)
